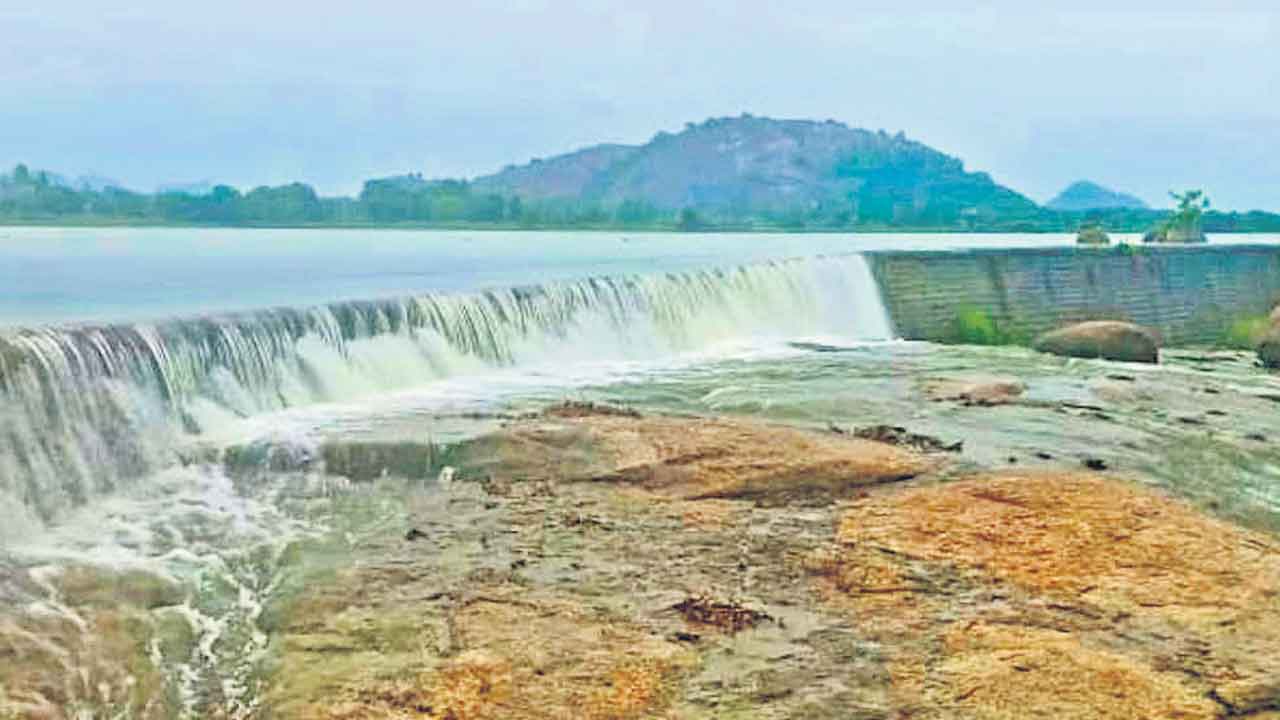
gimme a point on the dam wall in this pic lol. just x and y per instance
(1190, 294)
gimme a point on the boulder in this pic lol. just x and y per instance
(1275, 316)
(1092, 235)
(1269, 348)
(1107, 339)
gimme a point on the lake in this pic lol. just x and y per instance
(78, 275)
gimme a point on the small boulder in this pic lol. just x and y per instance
(1275, 316)
(980, 391)
(1092, 235)
(1107, 339)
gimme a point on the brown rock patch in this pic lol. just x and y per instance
(691, 458)
(1061, 595)
(984, 392)
(521, 659)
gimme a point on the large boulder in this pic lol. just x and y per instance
(1107, 339)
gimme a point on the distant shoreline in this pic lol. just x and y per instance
(92, 223)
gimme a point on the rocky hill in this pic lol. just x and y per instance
(746, 167)
(1084, 195)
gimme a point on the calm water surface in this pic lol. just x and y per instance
(76, 275)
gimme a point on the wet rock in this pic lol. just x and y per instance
(689, 458)
(266, 457)
(1114, 391)
(365, 461)
(87, 585)
(1095, 463)
(895, 435)
(583, 409)
(984, 392)
(414, 535)
(94, 652)
(1106, 339)
(496, 654)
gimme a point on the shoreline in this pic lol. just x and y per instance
(97, 223)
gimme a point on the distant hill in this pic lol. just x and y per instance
(751, 168)
(1085, 195)
(725, 174)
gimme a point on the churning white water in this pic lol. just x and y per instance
(87, 408)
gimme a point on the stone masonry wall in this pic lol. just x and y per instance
(1190, 294)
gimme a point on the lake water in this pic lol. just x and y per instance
(78, 275)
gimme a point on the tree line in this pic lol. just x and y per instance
(37, 197)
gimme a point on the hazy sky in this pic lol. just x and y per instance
(1145, 98)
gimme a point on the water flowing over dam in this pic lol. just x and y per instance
(87, 408)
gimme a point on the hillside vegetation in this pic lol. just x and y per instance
(741, 173)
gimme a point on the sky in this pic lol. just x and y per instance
(1143, 97)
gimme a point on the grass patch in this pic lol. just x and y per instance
(1244, 333)
(974, 326)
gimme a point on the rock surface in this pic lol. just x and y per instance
(690, 458)
(1092, 235)
(980, 391)
(565, 583)
(1070, 595)
(1107, 339)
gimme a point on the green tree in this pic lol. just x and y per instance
(1192, 205)
(690, 220)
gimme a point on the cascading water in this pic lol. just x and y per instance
(85, 408)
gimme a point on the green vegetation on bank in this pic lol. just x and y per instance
(33, 198)
(1245, 333)
(974, 326)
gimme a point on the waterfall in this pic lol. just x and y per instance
(88, 408)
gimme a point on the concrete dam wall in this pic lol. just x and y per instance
(1190, 294)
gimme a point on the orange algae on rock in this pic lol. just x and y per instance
(1061, 594)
